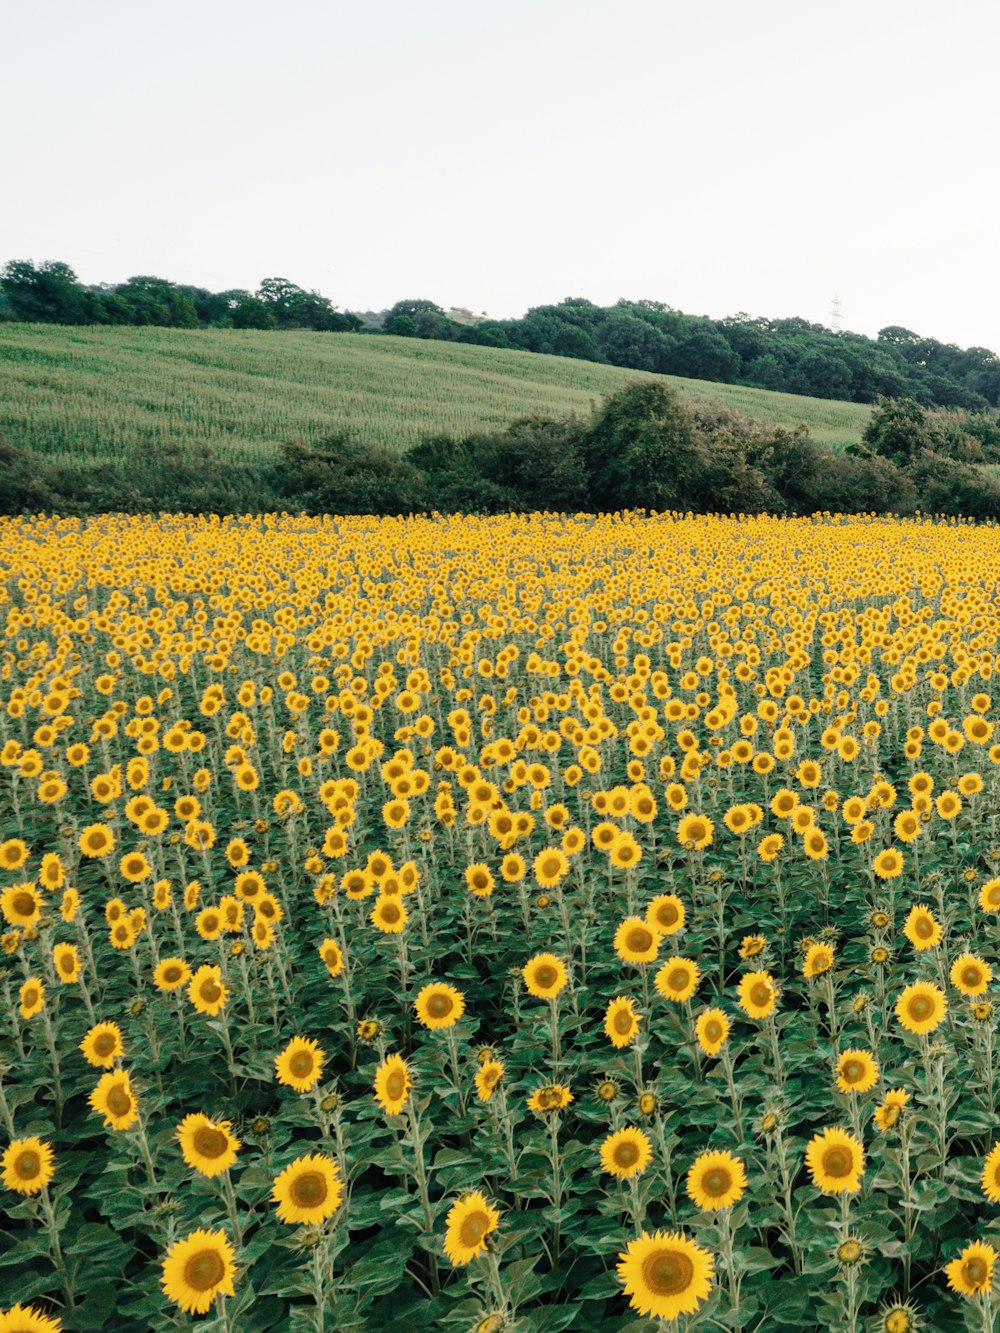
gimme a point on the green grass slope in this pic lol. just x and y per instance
(99, 394)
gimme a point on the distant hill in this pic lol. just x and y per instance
(99, 393)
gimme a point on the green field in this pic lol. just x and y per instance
(108, 393)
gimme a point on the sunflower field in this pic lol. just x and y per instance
(499, 925)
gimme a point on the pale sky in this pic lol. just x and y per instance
(716, 155)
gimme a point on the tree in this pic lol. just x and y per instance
(150, 300)
(419, 319)
(48, 292)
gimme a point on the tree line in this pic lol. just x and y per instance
(789, 355)
(51, 293)
(644, 448)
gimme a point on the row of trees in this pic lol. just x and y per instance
(643, 449)
(790, 355)
(52, 293)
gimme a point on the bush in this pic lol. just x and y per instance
(341, 476)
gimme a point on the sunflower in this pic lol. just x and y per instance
(921, 1007)
(550, 866)
(665, 1274)
(389, 915)
(971, 1274)
(115, 1099)
(209, 923)
(207, 991)
(197, 1269)
(665, 914)
(758, 994)
(32, 998)
(712, 1030)
(625, 852)
(469, 1222)
(752, 945)
(716, 1180)
(990, 1178)
(208, 1146)
(626, 1153)
(21, 905)
(989, 896)
(922, 928)
(171, 973)
(636, 942)
(27, 1166)
(300, 1064)
(677, 979)
(621, 1022)
(392, 1084)
(550, 1097)
(135, 867)
(488, 1075)
(439, 1005)
(96, 840)
(856, 1071)
(970, 975)
(836, 1161)
(27, 1319)
(13, 854)
(818, 959)
(332, 956)
(888, 864)
(250, 886)
(102, 1045)
(694, 832)
(769, 846)
(66, 959)
(479, 880)
(308, 1191)
(544, 976)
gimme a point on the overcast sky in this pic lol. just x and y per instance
(713, 154)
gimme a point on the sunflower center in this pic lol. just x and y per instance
(837, 1162)
(204, 1270)
(172, 973)
(921, 1007)
(104, 1045)
(550, 867)
(667, 914)
(760, 994)
(975, 1271)
(717, 1182)
(667, 1272)
(473, 1229)
(677, 979)
(24, 903)
(211, 991)
(626, 1154)
(852, 1071)
(545, 976)
(309, 1190)
(713, 1030)
(119, 1101)
(210, 1142)
(622, 1022)
(390, 913)
(970, 975)
(28, 1164)
(301, 1064)
(441, 1004)
(67, 963)
(924, 928)
(395, 1085)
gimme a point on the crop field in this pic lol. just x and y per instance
(498, 925)
(116, 393)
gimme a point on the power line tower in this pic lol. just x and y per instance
(836, 322)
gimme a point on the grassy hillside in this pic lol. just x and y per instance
(108, 393)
